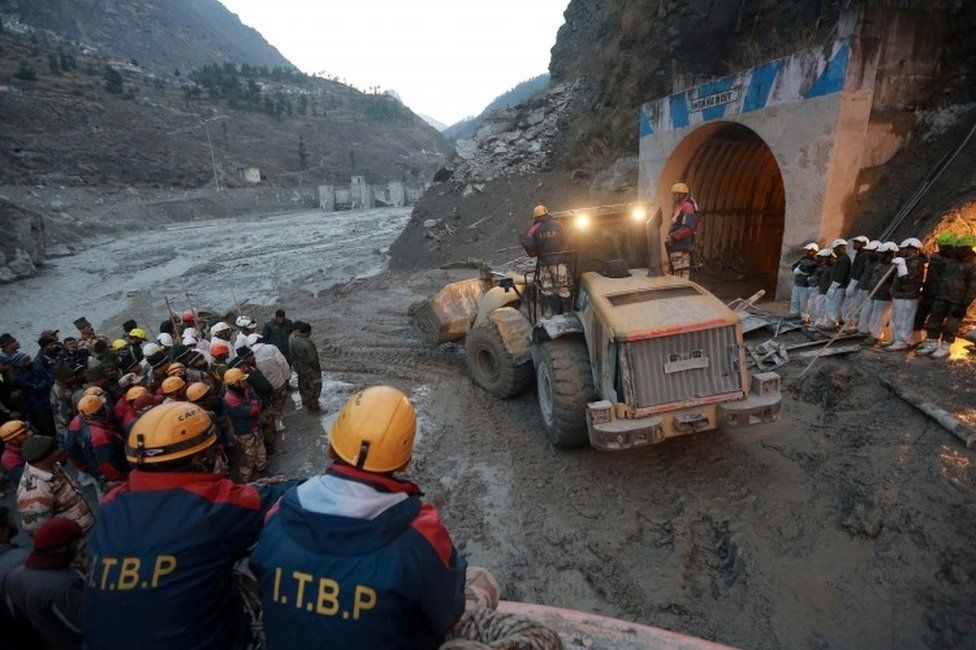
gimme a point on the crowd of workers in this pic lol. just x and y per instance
(894, 293)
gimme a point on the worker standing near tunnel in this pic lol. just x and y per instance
(681, 235)
(546, 240)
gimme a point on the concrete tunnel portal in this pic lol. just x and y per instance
(741, 196)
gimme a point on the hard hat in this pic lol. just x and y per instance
(12, 429)
(169, 432)
(175, 368)
(540, 211)
(150, 349)
(138, 333)
(234, 376)
(165, 340)
(219, 349)
(680, 188)
(375, 430)
(825, 252)
(965, 241)
(135, 392)
(946, 238)
(890, 247)
(872, 245)
(197, 391)
(911, 241)
(838, 242)
(192, 333)
(173, 385)
(219, 327)
(254, 338)
(118, 344)
(94, 390)
(188, 316)
(243, 321)
(91, 404)
(812, 246)
(861, 238)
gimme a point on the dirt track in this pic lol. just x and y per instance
(848, 524)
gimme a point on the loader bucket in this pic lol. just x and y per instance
(447, 316)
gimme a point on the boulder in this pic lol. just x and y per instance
(22, 248)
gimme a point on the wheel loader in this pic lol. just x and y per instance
(641, 356)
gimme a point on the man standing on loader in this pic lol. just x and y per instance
(681, 236)
(546, 240)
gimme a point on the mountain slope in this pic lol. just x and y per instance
(162, 36)
(522, 92)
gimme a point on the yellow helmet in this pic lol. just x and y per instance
(375, 429)
(175, 368)
(118, 344)
(540, 211)
(680, 188)
(91, 404)
(173, 385)
(197, 391)
(168, 432)
(12, 429)
(234, 376)
(135, 393)
(94, 390)
(137, 333)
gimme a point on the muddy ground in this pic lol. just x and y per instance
(847, 524)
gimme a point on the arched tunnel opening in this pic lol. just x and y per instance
(734, 177)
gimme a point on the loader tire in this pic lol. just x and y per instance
(491, 365)
(564, 386)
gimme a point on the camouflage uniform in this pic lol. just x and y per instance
(242, 408)
(43, 495)
(305, 362)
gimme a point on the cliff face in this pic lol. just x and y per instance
(161, 36)
(23, 243)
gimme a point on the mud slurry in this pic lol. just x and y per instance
(847, 524)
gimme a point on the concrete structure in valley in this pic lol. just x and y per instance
(363, 195)
(776, 155)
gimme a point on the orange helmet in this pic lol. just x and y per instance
(135, 393)
(175, 369)
(173, 385)
(91, 404)
(197, 391)
(12, 429)
(219, 349)
(234, 376)
(94, 390)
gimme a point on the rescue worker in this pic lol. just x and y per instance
(125, 410)
(155, 373)
(545, 240)
(277, 331)
(88, 336)
(859, 257)
(881, 278)
(265, 392)
(203, 396)
(930, 288)
(163, 549)
(221, 332)
(14, 434)
(803, 268)
(243, 410)
(8, 344)
(173, 390)
(196, 367)
(956, 294)
(354, 558)
(219, 367)
(906, 287)
(864, 286)
(35, 385)
(245, 327)
(270, 361)
(680, 241)
(46, 591)
(305, 362)
(136, 337)
(95, 445)
(840, 277)
(825, 259)
(46, 491)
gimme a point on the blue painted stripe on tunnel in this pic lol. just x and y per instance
(761, 85)
(834, 75)
(645, 124)
(679, 111)
(713, 88)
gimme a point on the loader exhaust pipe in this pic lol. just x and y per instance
(655, 266)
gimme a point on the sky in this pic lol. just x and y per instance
(445, 58)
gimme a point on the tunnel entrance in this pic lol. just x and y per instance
(742, 202)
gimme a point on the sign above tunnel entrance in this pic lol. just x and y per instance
(802, 76)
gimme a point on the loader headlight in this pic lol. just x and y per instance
(638, 214)
(582, 221)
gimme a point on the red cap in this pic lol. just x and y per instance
(53, 543)
(188, 316)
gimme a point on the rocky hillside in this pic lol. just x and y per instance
(160, 36)
(68, 116)
(509, 99)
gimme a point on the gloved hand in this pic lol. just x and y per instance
(901, 265)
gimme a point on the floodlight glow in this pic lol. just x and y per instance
(638, 214)
(582, 221)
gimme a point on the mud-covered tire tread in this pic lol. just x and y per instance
(513, 378)
(572, 387)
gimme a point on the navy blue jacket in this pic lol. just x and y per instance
(35, 385)
(162, 554)
(383, 575)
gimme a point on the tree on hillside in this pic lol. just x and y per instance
(53, 65)
(25, 72)
(113, 81)
(302, 154)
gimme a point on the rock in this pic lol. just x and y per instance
(430, 223)
(536, 116)
(23, 246)
(468, 191)
(467, 149)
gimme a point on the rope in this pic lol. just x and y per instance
(483, 628)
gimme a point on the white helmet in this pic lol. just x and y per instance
(911, 241)
(861, 238)
(219, 327)
(872, 245)
(812, 246)
(825, 252)
(252, 339)
(243, 321)
(191, 333)
(889, 247)
(150, 349)
(838, 242)
(165, 340)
